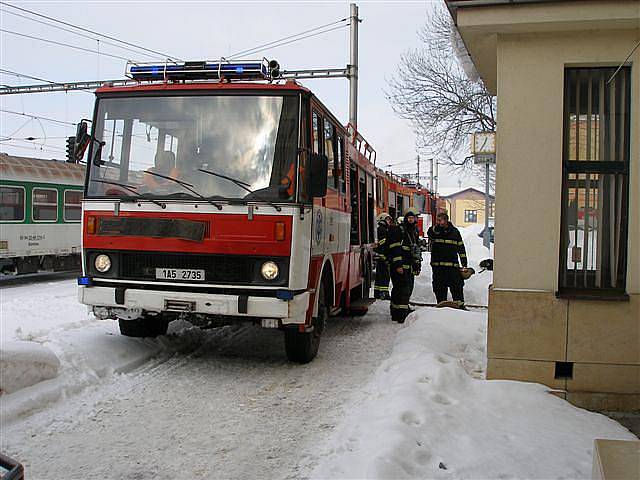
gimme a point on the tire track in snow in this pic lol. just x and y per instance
(220, 403)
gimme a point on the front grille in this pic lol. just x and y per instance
(221, 269)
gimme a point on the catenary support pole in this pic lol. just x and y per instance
(353, 66)
(435, 178)
(431, 187)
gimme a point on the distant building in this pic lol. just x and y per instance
(564, 309)
(466, 206)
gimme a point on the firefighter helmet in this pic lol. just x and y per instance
(466, 273)
(383, 217)
(411, 212)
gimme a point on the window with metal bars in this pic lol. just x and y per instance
(595, 193)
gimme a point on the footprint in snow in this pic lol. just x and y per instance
(443, 359)
(422, 457)
(411, 419)
(441, 399)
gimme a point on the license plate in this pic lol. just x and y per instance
(179, 274)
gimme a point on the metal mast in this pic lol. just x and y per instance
(353, 66)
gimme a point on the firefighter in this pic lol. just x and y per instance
(405, 259)
(446, 246)
(381, 289)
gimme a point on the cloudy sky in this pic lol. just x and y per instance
(206, 30)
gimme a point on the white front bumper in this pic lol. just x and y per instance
(288, 311)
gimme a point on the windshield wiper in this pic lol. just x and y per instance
(132, 189)
(186, 186)
(243, 185)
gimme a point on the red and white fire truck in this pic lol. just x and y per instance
(217, 194)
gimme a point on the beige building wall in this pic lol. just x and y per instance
(531, 332)
(529, 150)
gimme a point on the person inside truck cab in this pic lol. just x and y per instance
(165, 164)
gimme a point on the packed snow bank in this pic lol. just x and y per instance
(51, 347)
(429, 413)
(476, 289)
(25, 363)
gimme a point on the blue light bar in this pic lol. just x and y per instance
(84, 281)
(284, 294)
(203, 70)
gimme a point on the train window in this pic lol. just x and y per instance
(45, 204)
(329, 139)
(341, 164)
(316, 133)
(11, 204)
(72, 205)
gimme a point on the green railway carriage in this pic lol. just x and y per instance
(40, 214)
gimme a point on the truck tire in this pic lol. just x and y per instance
(147, 326)
(302, 347)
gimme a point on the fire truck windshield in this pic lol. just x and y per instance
(250, 139)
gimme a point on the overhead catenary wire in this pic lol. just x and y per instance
(39, 117)
(68, 30)
(63, 44)
(268, 44)
(39, 148)
(93, 32)
(24, 75)
(302, 38)
(7, 138)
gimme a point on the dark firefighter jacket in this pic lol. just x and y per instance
(446, 246)
(404, 250)
(383, 242)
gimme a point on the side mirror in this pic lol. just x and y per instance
(317, 178)
(81, 141)
(97, 154)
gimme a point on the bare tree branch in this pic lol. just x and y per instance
(433, 92)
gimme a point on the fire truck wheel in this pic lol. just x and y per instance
(303, 347)
(147, 326)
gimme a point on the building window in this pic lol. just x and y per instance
(595, 193)
(72, 205)
(45, 205)
(470, 216)
(11, 204)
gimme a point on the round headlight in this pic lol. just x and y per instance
(269, 270)
(102, 263)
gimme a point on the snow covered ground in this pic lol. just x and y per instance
(221, 403)
(380, 401)
(428, 413)
(476, 290)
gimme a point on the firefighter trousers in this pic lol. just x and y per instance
(447, 278)
(381, 288)
(400, 294)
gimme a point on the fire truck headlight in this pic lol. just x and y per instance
(269, 270)
(102, 263)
